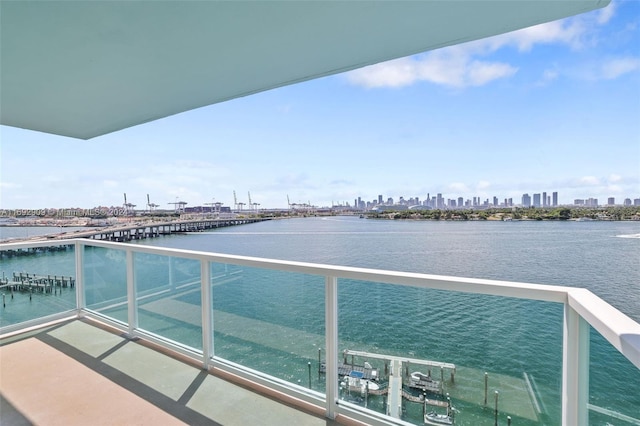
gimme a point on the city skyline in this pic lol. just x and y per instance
(439, 201)
(552, 106)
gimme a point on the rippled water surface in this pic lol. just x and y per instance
(274, 322)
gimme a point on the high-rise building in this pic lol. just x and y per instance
(611, 201)
(526, 200)
(544, 199)
(460, 201)
(495, 201)
(555, 199)
(536, 200)
(380, 199)
(439, 201)
(627, 201)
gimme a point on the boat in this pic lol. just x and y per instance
(423, 381)
(355, 382)
(433, 418)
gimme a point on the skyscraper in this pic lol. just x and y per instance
(555, 199)
(544, 199)
(536, 200)
(526, 200)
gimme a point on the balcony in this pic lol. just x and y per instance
(276, 337)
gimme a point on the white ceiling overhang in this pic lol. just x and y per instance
(87, 68)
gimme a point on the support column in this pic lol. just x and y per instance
(80, 296)
(131, 294)
(575, 369)
(207, 313)
(331, 344)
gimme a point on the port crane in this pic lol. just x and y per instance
(291, 205)
(151, 205)
(178, 206)
(254, 205)
(127, 206)
(237, 205)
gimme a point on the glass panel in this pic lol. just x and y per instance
(36, 282)
(270, 321)
(105, 282)
(169, 297)
(614, 385)
(424, 344)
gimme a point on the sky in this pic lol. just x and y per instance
(554, 107)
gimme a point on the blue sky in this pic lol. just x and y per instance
(550, 108)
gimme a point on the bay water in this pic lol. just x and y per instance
(517, 341)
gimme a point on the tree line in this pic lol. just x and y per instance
(516, 213)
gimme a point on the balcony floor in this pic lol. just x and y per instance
(80, 372)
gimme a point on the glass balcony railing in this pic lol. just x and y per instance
(382, 347)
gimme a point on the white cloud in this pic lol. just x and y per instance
(614, 68)
(617, 189)
(568, 31)
(457, 66)
(606, 13)
(548, 76)
(483, 184)
(480, 73)
(453, 68)
(589, 181)
(458, 187)
(9, 185)
(614, 178)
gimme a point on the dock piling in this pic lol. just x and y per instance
(309, 364)
(486, 387)
(496, 411)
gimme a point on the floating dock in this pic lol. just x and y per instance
(345, 370)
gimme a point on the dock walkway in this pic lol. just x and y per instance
(36, 283)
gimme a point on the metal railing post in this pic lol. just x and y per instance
(81, 302)
(331, 344)
(207, 313)
(132, 304)
(575, 368)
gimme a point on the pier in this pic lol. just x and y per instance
(399, 377)
(33, 283)
(33, 250)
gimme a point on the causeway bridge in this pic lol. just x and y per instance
(142, 230)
